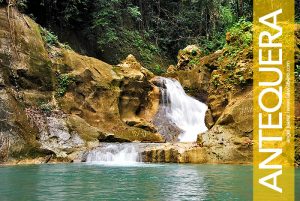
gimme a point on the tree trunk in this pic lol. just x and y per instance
(241, 8)
(237, 8)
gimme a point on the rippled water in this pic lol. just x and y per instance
(137, 182)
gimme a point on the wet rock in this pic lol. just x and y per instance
(209, 121)
(166, 127)
(140, 123)
(175, 153)
(58, 129)
(86, 131)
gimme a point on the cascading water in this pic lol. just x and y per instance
(179, 109)
(119, 154)
(187, 113)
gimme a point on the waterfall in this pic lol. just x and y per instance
(187, 113)
(116, 153)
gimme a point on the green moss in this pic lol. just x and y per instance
(63, 82)
(45, 106)
(195, 61)
(215, 79)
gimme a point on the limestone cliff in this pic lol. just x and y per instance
(56, 102)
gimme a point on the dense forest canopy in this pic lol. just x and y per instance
(152, 30)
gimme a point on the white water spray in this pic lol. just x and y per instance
(117, 154)
(186, 112)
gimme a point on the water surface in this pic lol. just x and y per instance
(136, 182)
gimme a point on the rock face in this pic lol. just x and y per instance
(16, 135)
(103, 96)
(55, 101)
(224, 83)
(230, 139)
(227, 90)
(176, 153)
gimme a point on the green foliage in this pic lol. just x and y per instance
(168, 25)
(109, 17)
(238, 45)
(73, 10)
(63, 81)
(67, 13)
(159, 27)
(114, 26)
(158, 70)
(227, 16)
(297, 11)
(22, 5)
(134, 12)
(145, 48)
(241, 34)
(212, 44)
(240, 38)
(297, 73)
(194, 61)
(50, 38)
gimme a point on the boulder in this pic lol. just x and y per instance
(171, 69)
(187, 55)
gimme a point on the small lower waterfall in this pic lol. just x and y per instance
(187, 113)
(123, 153)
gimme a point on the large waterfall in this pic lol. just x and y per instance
(187, 113)
(116, 153)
